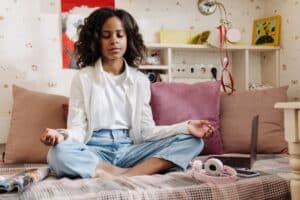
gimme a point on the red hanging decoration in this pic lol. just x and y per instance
(225, 63)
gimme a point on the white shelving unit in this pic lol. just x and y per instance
(247, 63)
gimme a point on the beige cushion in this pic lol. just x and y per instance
(237, 111)
(32, 112)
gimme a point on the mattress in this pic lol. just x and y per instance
(272, 184)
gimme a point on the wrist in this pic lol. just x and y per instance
(62, 132)
(189, 126)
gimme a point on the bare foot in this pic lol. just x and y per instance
(103, 175)
(111, 169)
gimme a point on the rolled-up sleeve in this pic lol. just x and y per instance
(77, 117)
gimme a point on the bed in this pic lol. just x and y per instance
(272, 184)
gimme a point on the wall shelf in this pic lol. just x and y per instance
(207, 47)
(248, 63)
(154, 67)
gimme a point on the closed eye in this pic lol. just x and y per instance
(109, 34)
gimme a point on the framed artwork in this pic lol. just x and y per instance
(73, 13)
(266, 31)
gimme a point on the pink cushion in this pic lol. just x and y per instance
(176, 102)
(237, 111)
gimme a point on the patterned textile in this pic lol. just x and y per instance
(22, 180)
(174, 185)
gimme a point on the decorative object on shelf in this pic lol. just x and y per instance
(233, 35)
(214, 38)
(266, 31)
(230, 34)
(207, 7)
(153, 59)
(183, 36)
(201, 38)
(224, 32)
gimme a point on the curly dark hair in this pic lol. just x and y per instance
(88, 49)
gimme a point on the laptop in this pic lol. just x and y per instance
(242, 160)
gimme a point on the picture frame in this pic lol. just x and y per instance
(73, 13)
(266, 31)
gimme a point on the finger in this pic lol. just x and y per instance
(48, 144)
(208, 134)
(48, 137)
(207, 124)
(211, 127)
(204, 122)
(212, 130)
(50, 140)
(54, 142)
(44, 141)
(53, 139)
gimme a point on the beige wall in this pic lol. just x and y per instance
(290, 43)
(30, 39)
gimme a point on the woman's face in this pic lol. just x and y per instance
(113, 39)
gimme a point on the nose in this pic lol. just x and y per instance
(113, 39)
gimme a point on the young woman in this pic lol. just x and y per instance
(110, 130)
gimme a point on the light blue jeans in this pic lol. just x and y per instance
(74, 159)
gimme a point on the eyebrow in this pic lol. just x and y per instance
(118, 30)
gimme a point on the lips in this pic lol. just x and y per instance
(114, 50)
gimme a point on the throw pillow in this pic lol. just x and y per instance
(237, 111)
(176, 102)
(32, 112)
(65, 108)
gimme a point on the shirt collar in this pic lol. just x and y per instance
(99, 72)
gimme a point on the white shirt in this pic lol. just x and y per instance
(117, 109)
(87, 90)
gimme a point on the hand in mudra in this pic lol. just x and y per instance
(200, 128)
(51, 137)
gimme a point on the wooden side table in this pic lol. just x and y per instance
(292, 136)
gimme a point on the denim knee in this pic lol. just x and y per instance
(56, 157)
(198, 144)
(185, 148)
(55, 153)
(72, 159)
(195, 144)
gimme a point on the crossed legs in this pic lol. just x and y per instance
(70, 159)
(150, 166)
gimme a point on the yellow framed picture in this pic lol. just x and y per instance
(266, 31)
